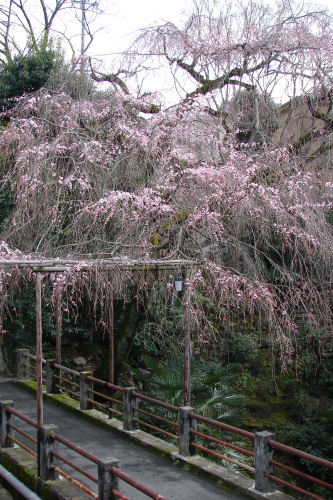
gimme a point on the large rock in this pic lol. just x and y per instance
(79, 361)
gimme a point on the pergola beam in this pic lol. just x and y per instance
(65, 265)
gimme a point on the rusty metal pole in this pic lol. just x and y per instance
(187, 345)
(111, 339)
(58, 324)
(39, 349)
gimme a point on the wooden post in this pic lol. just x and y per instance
(51, 380)
(39, 349)
(107, 481)
(45, 445)
(187, 345)
(111, 346)
(58, 324)
(5, 419)
(85, 385)
(129, 403)
(2, 361)
(22, 364)
(263, 454)
(185, 425)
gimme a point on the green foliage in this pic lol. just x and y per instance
(162, 330)
(329, 216)
(245, 381)
(25, 74)
(6, 204)
(316, 440)
(210, 395)
(315, 369)
(21, 323)
(145, 342)
(241, 347)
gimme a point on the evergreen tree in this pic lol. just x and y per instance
(25, 74)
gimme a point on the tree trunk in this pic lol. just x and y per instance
(133, 318)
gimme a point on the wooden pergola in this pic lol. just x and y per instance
(48, 266)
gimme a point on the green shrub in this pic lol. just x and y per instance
(317, 440)
(241, 347)
(25, 74)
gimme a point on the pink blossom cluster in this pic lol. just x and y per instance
(94, 177)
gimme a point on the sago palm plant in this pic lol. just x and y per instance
(211, 394)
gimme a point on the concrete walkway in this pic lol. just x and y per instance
(152, 470)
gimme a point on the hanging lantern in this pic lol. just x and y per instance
(52, 277)
(178, 283)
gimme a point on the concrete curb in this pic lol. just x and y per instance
(222, 477)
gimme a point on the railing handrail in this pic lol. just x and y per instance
(74, 466)
(105, 384)
(125, 477)
(20, 415)
(300, 454)
(17, 485)
(167, 406)
(81, 451)
(74, 481)
(67, 370)
(223, 443)
(294, 487)
(136, 484)
(34, 357)
(301, 474)
(223, 426)
(74, 447)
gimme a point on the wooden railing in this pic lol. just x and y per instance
(44, 449)
(193, 432)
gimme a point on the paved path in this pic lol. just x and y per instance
(152, 470)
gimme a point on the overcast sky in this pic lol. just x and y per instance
(119, 25)
(122, 19)
(125, 17)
